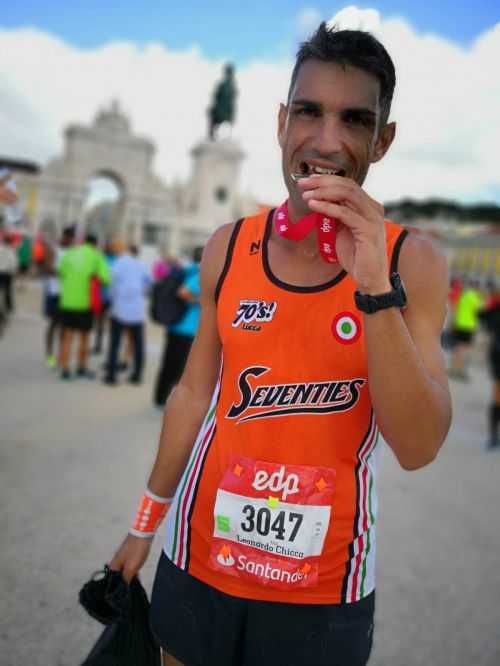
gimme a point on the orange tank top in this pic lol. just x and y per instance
(277, 501)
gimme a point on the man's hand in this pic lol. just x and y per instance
(361, 240)
(7, 196)
(130, 556)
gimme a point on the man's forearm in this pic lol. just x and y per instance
(412, 409)
(183, 416)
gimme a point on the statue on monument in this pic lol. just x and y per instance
(223, 105)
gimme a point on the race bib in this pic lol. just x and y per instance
(271, 521)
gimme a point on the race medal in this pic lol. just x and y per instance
(325, 229)
(271, 521)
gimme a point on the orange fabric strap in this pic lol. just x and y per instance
(151, 512)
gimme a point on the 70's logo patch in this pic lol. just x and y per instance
(253, 310)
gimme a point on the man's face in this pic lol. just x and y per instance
(333, 122)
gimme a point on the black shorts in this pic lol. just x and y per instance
(51, 307)
(201, 626)
(78, 320)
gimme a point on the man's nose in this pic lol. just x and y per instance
(329, 136)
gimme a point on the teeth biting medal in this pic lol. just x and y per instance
(325, 226)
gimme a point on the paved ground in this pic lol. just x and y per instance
(74, 459)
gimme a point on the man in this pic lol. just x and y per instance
(465, 327)
(270, 439)
(51, 293)
(490, 318)
(180, 335)
(129, 282)
(8, 268)
(76, 269)
(8, 258)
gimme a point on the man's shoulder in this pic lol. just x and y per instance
(121, 263)
(424, 268)
(421, 252)
(215, 253)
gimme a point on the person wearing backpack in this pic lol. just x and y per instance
(180, 334)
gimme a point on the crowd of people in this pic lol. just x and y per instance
(89, 292)
(104, 294)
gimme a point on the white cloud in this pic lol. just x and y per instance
(352, 18)
(447, 105)
(307, 21)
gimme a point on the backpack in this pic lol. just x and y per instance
(166, 307)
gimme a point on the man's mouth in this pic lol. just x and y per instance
(306, 169)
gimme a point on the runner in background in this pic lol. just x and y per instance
(465, 327)
(76, 269)
(51, 294)
(8, 258)
(8, 269)
(490, 317)
(179, 336)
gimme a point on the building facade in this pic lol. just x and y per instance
(149, 212)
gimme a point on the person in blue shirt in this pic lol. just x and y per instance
(181, 334)
(129, 283)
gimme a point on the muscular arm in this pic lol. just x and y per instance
(406, 369)
(406, 373)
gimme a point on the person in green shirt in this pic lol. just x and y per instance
(465, 326)
(76, 269)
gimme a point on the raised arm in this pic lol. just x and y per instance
(406, 368)
(187, 404)
(406, 371)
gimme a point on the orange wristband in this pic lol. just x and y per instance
(152, 510)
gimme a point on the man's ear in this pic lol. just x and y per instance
(282, 118)
(384, 141)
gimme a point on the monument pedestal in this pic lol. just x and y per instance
(213, 188)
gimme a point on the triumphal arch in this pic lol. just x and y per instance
(148, 211)
(107, 148)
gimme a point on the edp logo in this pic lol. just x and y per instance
(277, 482)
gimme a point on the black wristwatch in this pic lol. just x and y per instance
(392, 299)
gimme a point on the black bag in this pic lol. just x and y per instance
(166, 307)
(124, 609)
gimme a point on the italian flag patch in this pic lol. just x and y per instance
(346, 328)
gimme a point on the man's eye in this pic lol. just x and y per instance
(356, 119)
(306, 111)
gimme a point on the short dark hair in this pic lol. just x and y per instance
(91, 239)
(350, 47)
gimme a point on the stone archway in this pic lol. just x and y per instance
(104, 205)
(107, 147)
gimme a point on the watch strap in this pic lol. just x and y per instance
(371, 303)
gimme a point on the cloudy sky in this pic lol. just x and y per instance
(162, 61)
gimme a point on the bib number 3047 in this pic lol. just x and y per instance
(283, 525)
(271, 521)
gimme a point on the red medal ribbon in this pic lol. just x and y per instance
(325, 229)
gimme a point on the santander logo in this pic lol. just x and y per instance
(224, 557)
(276, 482)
